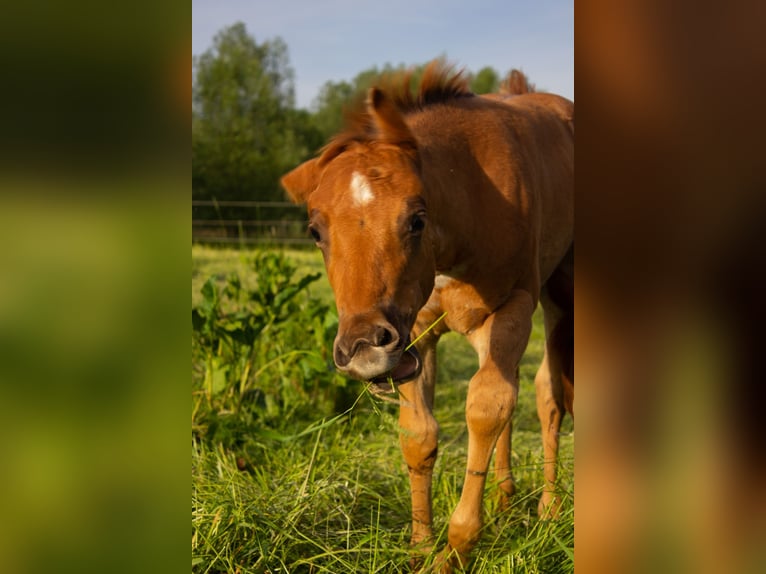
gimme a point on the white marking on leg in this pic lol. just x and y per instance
(361, 192)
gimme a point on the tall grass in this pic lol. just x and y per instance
(325, 488)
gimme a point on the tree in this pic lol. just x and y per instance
(245, 131)
(329, 105)
(485, 81)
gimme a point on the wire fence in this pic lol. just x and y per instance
(249, 223)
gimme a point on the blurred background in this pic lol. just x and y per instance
(94, 228)
(670, 212)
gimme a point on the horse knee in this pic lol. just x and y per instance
(489, 407)
(420, 445)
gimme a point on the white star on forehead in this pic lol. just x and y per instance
(361, 191)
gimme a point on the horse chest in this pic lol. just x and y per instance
(466, 309)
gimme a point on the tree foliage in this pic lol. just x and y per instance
(485, 81)
(245, 130)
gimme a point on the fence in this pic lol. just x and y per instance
(249, 222)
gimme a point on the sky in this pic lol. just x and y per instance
(334, 40)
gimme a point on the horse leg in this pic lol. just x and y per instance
(418, 439)
(492, 392)
(503, 473)
(550, 412)
(554, 385)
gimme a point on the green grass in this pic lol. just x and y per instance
(330, 493)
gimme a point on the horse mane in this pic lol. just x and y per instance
(440, 83)
(516, 84)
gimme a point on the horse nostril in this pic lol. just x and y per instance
(341, 358)
(385, 336)
(372, 339)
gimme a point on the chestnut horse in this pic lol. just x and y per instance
(440, 202)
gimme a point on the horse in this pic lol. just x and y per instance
(443, 204)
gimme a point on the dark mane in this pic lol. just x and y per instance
(440, 83)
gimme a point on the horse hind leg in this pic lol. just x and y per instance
(550, 411)
(503, 471)
(554, 382)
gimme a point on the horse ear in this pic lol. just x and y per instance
(300, 182)
(388, 121)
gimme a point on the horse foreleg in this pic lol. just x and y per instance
(492, 392)
(418, 439)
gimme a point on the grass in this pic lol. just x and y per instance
(331, 494)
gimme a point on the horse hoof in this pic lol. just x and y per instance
(549, 508)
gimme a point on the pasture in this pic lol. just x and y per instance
(297, 469)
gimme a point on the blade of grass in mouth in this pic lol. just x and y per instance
(390, 380)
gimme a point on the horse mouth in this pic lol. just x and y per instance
(408, 367)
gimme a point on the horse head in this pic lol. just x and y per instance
(368, 216)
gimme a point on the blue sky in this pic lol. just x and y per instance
(337, 39)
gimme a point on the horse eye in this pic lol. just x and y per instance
(417, 223)
(315, 234)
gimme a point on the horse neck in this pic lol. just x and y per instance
(448, 233)
(454, 182)
(449, 207)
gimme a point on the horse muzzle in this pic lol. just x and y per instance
(376, 352)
